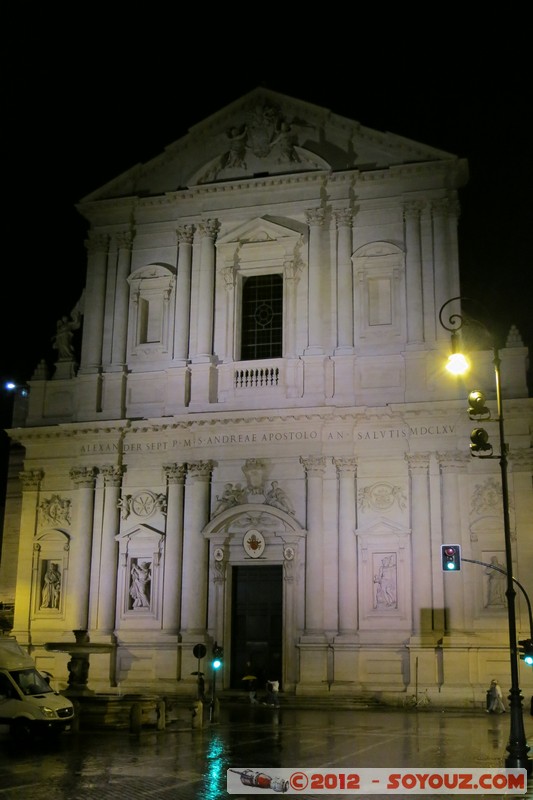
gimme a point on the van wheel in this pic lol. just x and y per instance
(21, 730)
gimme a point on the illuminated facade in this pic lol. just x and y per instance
(257, 444)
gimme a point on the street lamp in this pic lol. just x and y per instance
(517, 746)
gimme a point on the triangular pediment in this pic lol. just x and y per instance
(263, 229)
(382, 527)
(262, 134)
(141, 531)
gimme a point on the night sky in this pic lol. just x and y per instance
(88, 101)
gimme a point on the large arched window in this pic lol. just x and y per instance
(262, 317)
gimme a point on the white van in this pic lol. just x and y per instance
(28, 705)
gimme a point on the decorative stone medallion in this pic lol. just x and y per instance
(253, 543)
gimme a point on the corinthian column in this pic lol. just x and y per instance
(31, 484)
(183, 293)
(347, 579)
(445, 265)
(451, 468)
(344, 282)
(421, 550)
(175, 474)
(206, 295)
(94, 304)
(415, 309)
(107, 595)
(195, 549)
(315, 220)
(80, 560)
(314, 556)
(122, 299)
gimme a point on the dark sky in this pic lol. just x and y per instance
(87, 101)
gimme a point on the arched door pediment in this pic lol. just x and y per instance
(249, 515)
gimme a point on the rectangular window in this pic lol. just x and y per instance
(262, 317)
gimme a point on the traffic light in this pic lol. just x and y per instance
(525, 650)
(479, 441)
(218, 657)
(451, 557)
(476, 405)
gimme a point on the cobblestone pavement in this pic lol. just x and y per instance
(182, 763)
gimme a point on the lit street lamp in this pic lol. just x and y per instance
(517, 747)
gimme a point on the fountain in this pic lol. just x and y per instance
(78, 666)
(104, 710)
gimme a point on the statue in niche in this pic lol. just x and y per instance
(51, 589)
(385, 582)
(140, 584)
(277, 497)
(497, 583)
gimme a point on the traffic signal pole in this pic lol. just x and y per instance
(216, 664)
(517, 746)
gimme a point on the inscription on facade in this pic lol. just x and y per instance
(217, 440)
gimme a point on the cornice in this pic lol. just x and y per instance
(388, 416)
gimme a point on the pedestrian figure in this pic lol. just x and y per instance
(272, 688)
(251, 684)
(495, 699)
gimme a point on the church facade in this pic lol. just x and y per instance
(258, 445)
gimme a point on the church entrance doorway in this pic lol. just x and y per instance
(257, 613)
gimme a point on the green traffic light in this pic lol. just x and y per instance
(217, 663)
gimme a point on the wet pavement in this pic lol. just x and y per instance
(182, 763)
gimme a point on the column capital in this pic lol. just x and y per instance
(453, 462)
(444, 207)
(31, 479)
(83, 477)
(313, 465)
(200, 469)
(124, 240)
(315, 216)
(175, 473)
(418, 463)
(112, 475)
(413, 208)
(521, 460)
(97, 243)
(185, 234)
(344, 217)
(209, 228)
(345, 465)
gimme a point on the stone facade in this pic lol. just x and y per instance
(163, 461)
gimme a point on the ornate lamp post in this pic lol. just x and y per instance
(517, 747)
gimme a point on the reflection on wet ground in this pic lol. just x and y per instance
(186, 764)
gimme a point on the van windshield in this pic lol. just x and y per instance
(30, 681)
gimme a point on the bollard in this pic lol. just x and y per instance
(161, 712)
(197, 710)
(214, 710)
(136, 714)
